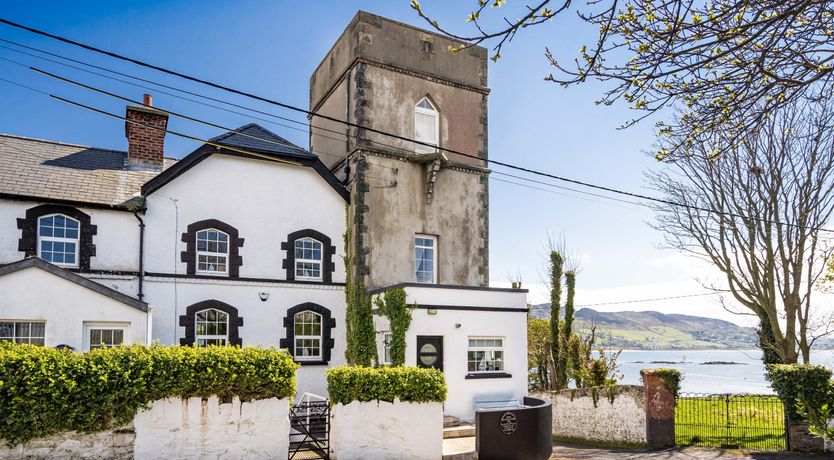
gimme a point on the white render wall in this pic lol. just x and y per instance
(191, 428)
(383, 430)
(34, 294)
(624, 420)
(264, 201)
(456, 327)
(205, 428)
(263, 321)
(117, 238)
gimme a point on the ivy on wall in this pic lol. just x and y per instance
(393, 305)
(408, 384)
(44, 391)
(361, 334)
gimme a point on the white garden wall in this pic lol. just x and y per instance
(383, 430)
(198, 428)
(575, 415)
(191, 428)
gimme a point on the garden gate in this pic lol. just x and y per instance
(310, 429)
(736, 421)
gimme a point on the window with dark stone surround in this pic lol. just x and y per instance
(189, 318)
(327, 325)
(327, 265)
(189, 256)
(28, 226)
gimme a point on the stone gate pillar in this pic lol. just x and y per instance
(660, 410)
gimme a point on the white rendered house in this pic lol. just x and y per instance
(240, 242)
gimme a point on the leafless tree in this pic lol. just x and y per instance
(727, 63)
(770, 196)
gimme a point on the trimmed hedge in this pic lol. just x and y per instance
(45, 391)
(410, 384)
(812, 382)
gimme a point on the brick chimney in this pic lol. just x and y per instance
(145, 133)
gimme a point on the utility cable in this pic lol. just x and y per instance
(393, 135)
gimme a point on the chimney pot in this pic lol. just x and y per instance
(148, 100)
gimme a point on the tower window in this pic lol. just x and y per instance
(426, 126)
(425, 259)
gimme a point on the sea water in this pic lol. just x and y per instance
(745, 377)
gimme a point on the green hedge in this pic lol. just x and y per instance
(790, 381)
(45, 391)
(346, 384)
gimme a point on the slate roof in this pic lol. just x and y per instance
(266, 141)
(37, 168)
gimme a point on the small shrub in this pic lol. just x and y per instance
(410, 384)
(810, 382)
(45, 391)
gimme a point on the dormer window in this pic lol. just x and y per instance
(426, 126)
(212, 252)
(58, 237)
(308, 257)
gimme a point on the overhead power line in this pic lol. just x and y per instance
(396, 136)
(656, 299)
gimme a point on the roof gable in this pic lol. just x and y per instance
(35, 262)
(267, 148)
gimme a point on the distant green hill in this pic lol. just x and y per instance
(647, 330)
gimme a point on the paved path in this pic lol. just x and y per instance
(567, 451)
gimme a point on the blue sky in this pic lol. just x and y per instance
(271, 48)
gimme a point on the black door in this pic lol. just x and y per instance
(430, 351)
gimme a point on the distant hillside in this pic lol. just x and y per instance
(641, 330)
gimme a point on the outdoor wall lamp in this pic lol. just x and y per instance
(457, 325)
(263, 295)
(432, 311)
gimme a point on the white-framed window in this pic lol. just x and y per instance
(425, 259)
(387, 338)
(307, 345)
(485, 354)
(426, 126)
(308, 259)
(211, 327)
(212, 252)
(104, 335)
(58, 240)
(31, 332)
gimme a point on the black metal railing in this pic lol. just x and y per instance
(733, 421)
(310, 430)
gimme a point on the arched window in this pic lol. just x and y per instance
(308, 257)
(212, 252)
(309, 333)
(426, 126)
(211, 327)
(307, 336)
(58, 237)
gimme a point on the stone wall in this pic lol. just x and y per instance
(577, 416)
(112, 444)
(382, 430)
(177, 428)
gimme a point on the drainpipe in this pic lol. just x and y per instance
(141, 293)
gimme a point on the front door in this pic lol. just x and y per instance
(430, 351)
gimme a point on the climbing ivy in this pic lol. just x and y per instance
(393, 305)
(359, 321)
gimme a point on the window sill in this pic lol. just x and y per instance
(317, 362)
(488, 375)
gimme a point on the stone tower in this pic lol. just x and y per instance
(418, 213)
